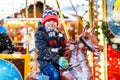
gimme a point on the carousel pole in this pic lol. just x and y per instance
(34, 8)
(104, 8)
(27, 49)
(91, 56)
(63, 21)
(91, 13)
(26, 10)
(44, 5)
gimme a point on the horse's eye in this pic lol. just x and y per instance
(86, 37)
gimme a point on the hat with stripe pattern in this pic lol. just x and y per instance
(49, 14)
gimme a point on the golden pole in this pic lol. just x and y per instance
(63, 21)
(34, 8)
(91, 56)
(91, 13)
(104, 9)
(44, 5)
(26, 10)
(27, 49)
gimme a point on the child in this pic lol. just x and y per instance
(50, 44)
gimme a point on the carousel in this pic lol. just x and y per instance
(92, 35)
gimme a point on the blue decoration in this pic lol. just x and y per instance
(110, 6)
(113, 25)
(115, 28)
(8, 71)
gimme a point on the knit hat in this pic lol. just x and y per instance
(49, 14)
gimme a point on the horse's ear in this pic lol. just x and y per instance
(86, 27)
(94, 26)
(93, 30)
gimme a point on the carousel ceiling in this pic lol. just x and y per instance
(8, 7)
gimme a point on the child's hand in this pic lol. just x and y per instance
(63, 62)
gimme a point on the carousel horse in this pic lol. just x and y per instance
(76, 53)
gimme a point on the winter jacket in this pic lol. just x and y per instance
(45, 54)
(6, 43)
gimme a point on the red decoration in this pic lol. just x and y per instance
(113, 63)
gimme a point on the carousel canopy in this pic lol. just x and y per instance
(9, 7)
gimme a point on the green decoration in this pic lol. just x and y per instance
(108, 37)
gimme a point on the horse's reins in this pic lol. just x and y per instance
(80, 38)
(85, 44)
(81, 60)
(75, 65)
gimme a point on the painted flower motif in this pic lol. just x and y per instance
(72, 47)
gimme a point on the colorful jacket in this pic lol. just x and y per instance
(47, 45)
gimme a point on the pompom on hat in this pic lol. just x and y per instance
(49, 14)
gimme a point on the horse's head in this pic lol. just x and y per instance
(89, 39)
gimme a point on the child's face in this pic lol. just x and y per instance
(51, 24)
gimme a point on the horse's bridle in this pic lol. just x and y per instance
(80, 38)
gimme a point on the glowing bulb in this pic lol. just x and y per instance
(100, 17)
(99, 23)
